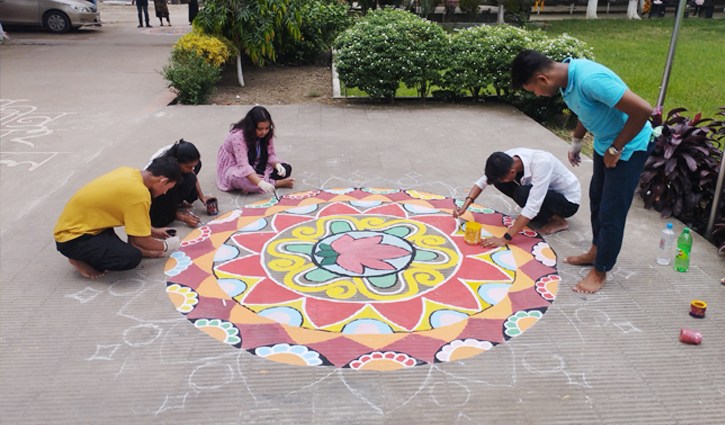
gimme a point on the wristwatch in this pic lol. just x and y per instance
(612, 150)
(507, 236)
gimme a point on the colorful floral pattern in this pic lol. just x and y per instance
(219, 329)
(184, 299)
(196, 236)
(389, 360)
(367, 278)
(517, 323)
(547, 286)
(178, 262)
(291, 354)
(461, 349)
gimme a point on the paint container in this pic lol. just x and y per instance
(689, 336)
(697, 309)
(473, 233)
(212, 207)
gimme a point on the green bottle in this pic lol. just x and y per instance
(684, 245)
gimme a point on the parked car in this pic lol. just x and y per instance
(58, 16)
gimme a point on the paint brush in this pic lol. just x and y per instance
(275, 194)
(193, 215)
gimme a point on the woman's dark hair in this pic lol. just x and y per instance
(248, 125)
(527, 64)
(184, 152)
(498, 166)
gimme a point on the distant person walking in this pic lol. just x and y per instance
(193, 10)
(143, 6)
(162, 11)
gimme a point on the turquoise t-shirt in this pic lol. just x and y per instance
(591, 93)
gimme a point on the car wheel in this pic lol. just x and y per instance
(56, 21)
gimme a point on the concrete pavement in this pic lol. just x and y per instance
(115, 350)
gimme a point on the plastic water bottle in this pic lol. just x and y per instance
(667, 246)
(684, 245)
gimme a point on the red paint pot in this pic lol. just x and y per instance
(689, 336)
(212, 208)
(697, 309)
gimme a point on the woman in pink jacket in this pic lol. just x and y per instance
(247, 160)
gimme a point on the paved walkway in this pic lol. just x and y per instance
(116, 350)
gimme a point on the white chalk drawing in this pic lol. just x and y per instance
(558, 363)
(433, 393)
(104, 352)
(142, 335)
(120, 371)
(85, 295)
(623, 273)
(227, 378)
(14, 159)
(577, 379)
(173, 402)
(126, 287)
(21, 124)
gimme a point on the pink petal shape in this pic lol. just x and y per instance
(356, 254)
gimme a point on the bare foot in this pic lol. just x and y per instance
(592, 283)
(555, 224)
(289, 182)
(583, 259)
(85, 269)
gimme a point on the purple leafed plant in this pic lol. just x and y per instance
(679, 177)
(719, 134)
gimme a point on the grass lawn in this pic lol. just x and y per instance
(637, 52)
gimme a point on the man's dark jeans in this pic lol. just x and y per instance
(610, 196)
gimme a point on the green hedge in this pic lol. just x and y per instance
(389, 46)
(392, 46)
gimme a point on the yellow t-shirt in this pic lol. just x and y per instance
(118, 198)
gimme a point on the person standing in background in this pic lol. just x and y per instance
(142, 6)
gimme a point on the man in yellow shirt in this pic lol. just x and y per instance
(84, 231)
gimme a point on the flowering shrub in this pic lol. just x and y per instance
(214, 50)
(191, 76)
(388, 46)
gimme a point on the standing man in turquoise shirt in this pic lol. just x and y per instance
(619, 121)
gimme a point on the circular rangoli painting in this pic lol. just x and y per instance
(366, 278)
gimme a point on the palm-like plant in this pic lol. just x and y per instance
(679, 177)
(253, 26)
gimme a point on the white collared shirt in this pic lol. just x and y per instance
(543, 172)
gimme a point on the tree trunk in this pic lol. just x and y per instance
(632, 10)
(500, 13)
(240, 76)
(592, 9)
